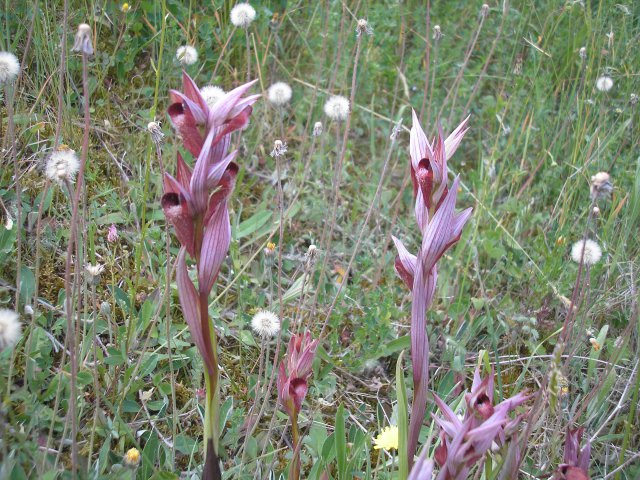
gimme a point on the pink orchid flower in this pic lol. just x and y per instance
(195, 201)
(440, 227)
(464, 442)
(294, 372)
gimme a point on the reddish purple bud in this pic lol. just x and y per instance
(294, 371)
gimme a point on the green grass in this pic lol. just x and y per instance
(539, 130)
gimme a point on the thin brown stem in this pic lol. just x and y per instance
(73, 342)
(62, 69)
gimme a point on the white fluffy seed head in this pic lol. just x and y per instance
(604, 83)
(279, 93)
(187, 55)
(211, 94)
(265, 324)
(83, 43)
(10, 328)
(94, 270)
(437, 32)
(62, 165)
(242, 15)
(9, 67)
(592, 252)
(337, 108)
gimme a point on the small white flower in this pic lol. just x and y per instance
(242, 15)
(592, 252)
(9, 67)
(211, 94)
(187, 55)
(8, 223)
(28, 310)
(279, 149)
(337, 108)
(604, 83)
(317, 129)
(9, 328)
(583, 53)
(62, 165)
(484, 11)
(265, 324)
(279, 93)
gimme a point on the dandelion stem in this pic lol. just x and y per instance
(71, 328)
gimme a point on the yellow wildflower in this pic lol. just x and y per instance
(125, 7)
(387, 439)
(132, 457)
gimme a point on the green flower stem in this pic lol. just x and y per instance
(294, 468)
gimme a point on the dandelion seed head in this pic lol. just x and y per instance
(187, 55)
(265, 324)
(242, 15)
(484, 11)
(211, 94)
(9, 67)
(317, 129)
(10, 328)
(592, 252)
(437, 33)
(363, 27)
(62, 165)
(279, 148)
(337, 108)
(156, 132)
(279, 93)
(83, 42)
(601, 186)
(604, 83)
(94, 270)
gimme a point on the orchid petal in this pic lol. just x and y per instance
(405, 263)
(190, 307)
(215, 245)
(218, 113)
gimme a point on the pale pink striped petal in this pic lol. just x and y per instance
(190, 308)
(215, 245)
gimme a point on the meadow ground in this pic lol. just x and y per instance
(105, 376)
